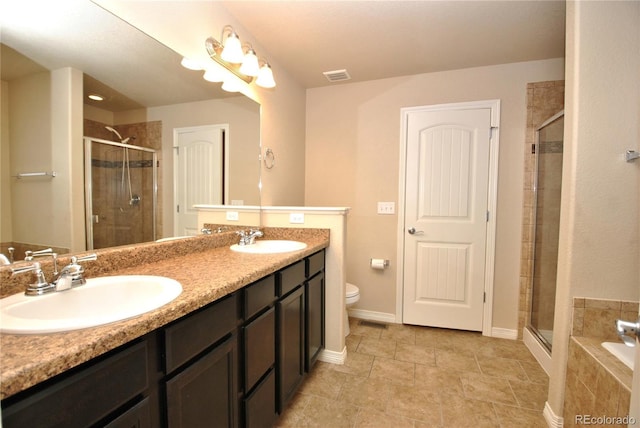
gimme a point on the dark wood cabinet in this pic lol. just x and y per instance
(290, 360)
(138, 416)
(236, 362)
(314, 293)
(94, 392)
(205, 393)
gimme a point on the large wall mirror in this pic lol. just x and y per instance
(150, 102)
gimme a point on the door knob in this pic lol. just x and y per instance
(413, 231)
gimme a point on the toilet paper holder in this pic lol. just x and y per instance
(379, 263)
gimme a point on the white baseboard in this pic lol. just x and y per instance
(539, 352)
(333, 357)
(372, 315)
(553, 420)
(504, 333)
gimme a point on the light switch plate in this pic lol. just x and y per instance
(386, 208)
(232, 215)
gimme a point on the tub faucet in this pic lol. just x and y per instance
(627, 328)
(248, 238)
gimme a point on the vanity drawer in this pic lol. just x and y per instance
(259, 347)
(315, 263)
(86, 396)
(291, 277)
(194, 333)
(259, 295)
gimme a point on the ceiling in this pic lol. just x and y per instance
(381, 39)
(370, 39)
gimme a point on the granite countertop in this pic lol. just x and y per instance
(206, 276)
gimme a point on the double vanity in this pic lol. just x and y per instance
(230, 350)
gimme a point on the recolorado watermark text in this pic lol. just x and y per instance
(605, 420)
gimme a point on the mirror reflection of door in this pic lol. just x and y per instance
(199, 173)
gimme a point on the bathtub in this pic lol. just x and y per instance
(623, 352)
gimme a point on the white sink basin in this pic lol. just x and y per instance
(270, 247)
(100, 301)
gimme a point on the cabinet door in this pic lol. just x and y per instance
(205, 393)
(314, 319)
(290, 361)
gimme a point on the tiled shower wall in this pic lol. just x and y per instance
(544, 99)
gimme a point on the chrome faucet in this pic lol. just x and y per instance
(70, 276)
(248, 238)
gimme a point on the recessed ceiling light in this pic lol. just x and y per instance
(96, 97)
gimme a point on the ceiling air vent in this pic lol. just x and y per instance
(337, 75)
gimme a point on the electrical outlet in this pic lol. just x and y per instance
(296, 218)
(386, 208)
(232, 215)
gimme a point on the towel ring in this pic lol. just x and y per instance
(269, 159)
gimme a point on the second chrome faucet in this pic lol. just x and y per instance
(248, 238)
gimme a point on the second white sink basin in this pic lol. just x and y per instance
(267, 246)
(100, 301)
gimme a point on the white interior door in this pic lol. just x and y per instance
(198, 173)
(445, 217)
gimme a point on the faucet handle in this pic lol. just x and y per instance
(87, 258)
(41, 286)
(47, 252)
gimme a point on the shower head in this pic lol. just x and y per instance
(108, 128)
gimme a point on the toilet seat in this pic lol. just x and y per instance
(352, 290)
(352, 294)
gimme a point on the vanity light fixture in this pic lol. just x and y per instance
(265, 76)
(241, 59)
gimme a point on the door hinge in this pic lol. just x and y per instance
(484, 297)
(533, 148)
(491, 129)
(157, 164)
(487, 216)
(177, 208)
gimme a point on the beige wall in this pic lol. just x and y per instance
(352, 159)
(598, 254)
(244, 142)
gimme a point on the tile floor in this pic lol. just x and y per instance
(408, 376)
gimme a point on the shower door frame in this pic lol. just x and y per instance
(88, 188)
(533, 329)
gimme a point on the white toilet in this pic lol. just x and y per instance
(352, 295)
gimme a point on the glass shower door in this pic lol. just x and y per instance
(120, 193)
(547, 189)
